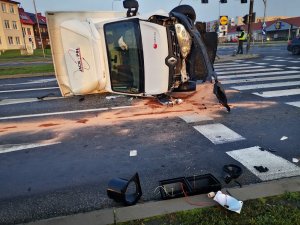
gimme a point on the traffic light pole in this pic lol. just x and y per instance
(250, 25)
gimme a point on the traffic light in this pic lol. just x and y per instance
(243, 1)
(253, 17)
(245, 19)
(204, 1)
(223, 1)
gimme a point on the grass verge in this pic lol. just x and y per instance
(28, 69)
(278, 210)
(15, 56)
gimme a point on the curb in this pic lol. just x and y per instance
(150, 209)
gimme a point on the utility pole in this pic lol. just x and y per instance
(264, 20)
(250, 25)
(38, 23)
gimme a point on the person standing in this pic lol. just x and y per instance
(242, 37)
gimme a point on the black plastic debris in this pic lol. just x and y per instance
(261, 169)
(267, 149)
(45, 96)
(231, 172)
(220, 94)
(126, 191)
(198, 184)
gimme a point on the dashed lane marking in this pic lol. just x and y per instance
(268, 85)
(62, 113)
(195, 117)
(279, 93)
(218, 133)
(277, 166)
(19, 147)
(31, 89)
(248, 80)
(249, 71)
(297, 104)
(259, 74)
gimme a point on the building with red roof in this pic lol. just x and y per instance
(27, 29)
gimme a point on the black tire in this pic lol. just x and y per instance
(186, 10)
(186, 87)
(296, 50)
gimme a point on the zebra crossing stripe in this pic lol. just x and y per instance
(238, 68)
(249, 71)
(231, 66)
(280, 60)
(268, 59)
(277, 167)
(19, 147)
(248, 80)
(294, 61)
(230, 63)
(194, 118)
(218, 133)
(31, 89)
(268, 85)
(259, 74)
(294, 67)
(277, 65)
(261, 63)
(279, 93)
(297, 104)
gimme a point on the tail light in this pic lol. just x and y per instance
(289, 42)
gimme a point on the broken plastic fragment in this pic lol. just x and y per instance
(133, 153)
(228, 202)
(295, 160)
(283, 138)
(112, 97)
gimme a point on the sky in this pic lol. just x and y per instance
(205, 12)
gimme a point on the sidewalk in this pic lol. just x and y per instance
(139, 211)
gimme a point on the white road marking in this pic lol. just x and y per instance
(218, 133)
(268, 59)
(25, 100)
(250, 71)
(248, 80)
(294, 61)
(19, 147)
(62, 113)
(275, 65)
(294, 67)
(297, 104)
(259, 74)
(280, 60)
(268, 85)
(261, 63)
(221, 64)
(238, 68)
(231, 66)
(31, 89)
(277, 166)
(31, 82)
(194, 117)
(271, 94)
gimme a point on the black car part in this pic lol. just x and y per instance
(132, 7)
(231, 172)
(118, 190)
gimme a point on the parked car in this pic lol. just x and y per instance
(140, 55)
(294, 46)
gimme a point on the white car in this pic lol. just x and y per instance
(140, 55)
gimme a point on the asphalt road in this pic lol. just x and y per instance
(57, 155)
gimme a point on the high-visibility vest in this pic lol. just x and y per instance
(243, 36)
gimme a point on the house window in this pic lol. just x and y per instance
(11, 9)
(3, 6)
(18, 40)
(28, 31)
(0, 41)
(14, 23)
(10, 40)
(6, 24)
(24, 31)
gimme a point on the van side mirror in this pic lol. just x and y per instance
(132, 6)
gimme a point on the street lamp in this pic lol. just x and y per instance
(38, 23)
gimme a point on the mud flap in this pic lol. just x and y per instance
(220, 94)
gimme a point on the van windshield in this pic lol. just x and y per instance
(125, 56)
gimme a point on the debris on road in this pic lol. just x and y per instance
(283, 138)
(295, 160)
(133, 153)
(113, 97)
(228, 202)
(261, 169)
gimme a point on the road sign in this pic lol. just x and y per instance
(223, 20)
(263, 31)
(264, 25)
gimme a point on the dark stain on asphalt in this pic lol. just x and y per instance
(48, 125)
(82, 121)
(10, 127)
